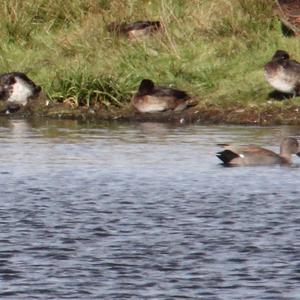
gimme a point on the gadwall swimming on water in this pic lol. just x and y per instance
(289, 12)
(283, 74)
(16, 87)
(151, 98)
(134, 30)
(253, 155)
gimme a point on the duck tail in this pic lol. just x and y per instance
(156, 24)
(192, 101)
(115, 27)
(226, 156)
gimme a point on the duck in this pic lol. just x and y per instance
(150, 98)
(283, 74)
(289, 13)
(134, 30)
(251, 155)
(17, 88)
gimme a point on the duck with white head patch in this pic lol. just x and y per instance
(283, 73)
(16, 87)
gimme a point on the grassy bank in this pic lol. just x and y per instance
(215, 50)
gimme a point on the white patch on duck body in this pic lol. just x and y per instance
(152, 107)
(151, 104)
(136, 34)
(281, 82)
(21, 91)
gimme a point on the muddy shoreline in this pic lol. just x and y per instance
(275, 113)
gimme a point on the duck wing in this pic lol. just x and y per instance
(160, 91)
(250, 150)
(293, 65)
(140, 25)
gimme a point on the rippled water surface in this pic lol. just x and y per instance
(144, 211)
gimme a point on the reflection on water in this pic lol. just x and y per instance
(144, 211)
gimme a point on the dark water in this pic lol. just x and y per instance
(144, 211)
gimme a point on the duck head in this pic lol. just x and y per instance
(281, 55)
(289, 146)
(146, 87)
(279, 59)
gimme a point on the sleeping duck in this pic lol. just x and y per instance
(17, 88)
(283, 74)
(134, 30)
(151, 98)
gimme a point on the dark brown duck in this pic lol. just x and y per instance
(248, 155)
(283, 74)
(151, 98)
(134, 30)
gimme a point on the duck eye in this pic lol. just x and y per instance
(285, 56)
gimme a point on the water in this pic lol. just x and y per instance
(144, 211)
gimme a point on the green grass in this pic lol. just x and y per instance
(215, 50)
